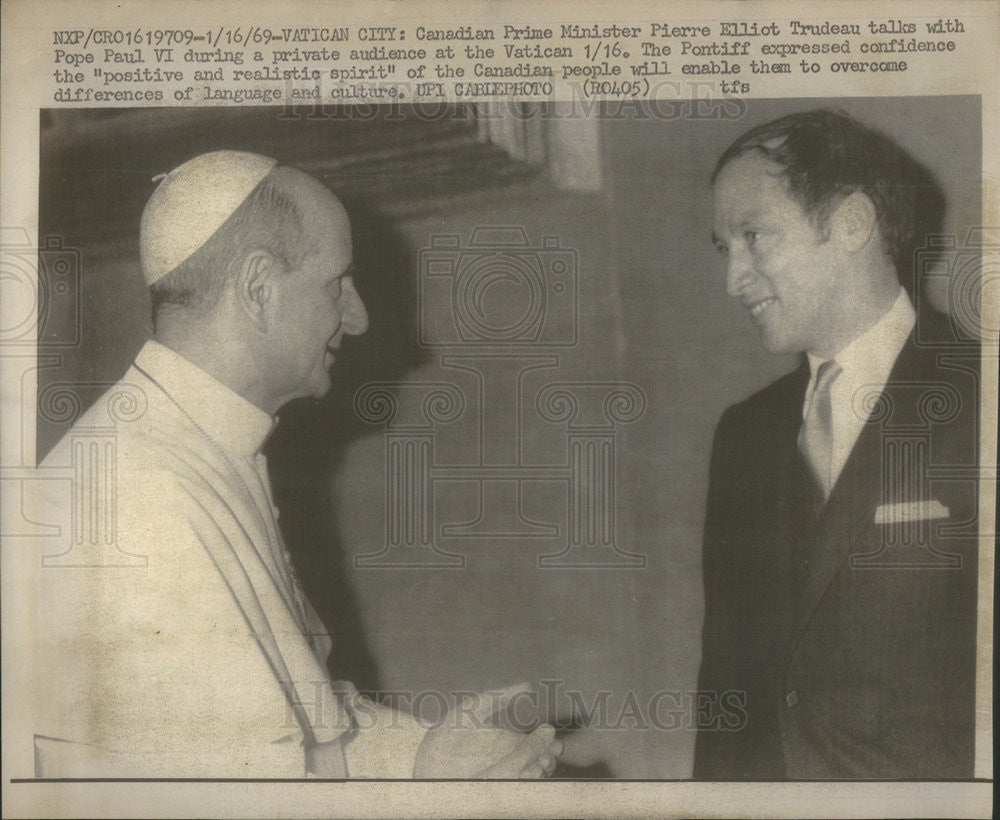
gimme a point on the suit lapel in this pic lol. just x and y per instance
(844, 516)
(850, 510)
(791, 515)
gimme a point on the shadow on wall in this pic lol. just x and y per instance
(307, 447)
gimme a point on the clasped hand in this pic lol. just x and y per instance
(465, 745)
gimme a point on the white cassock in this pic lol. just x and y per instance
(173, 637)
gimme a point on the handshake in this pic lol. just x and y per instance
(466, 742)
(469, 747)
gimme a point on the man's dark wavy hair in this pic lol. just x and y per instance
(826, 155)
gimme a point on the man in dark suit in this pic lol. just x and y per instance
(840, 561)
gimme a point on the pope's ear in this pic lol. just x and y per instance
(854, 222)
(255, 284)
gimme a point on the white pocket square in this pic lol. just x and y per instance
(910, 511)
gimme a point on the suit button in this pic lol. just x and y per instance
(792, 699)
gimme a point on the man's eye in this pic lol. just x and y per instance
(722, 248)
(751, 237)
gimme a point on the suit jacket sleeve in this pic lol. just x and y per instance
(742, 635)
(712, 747)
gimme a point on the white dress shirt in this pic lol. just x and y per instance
(865, 367)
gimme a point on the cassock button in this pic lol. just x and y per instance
(792, 699)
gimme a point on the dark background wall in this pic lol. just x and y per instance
(651, 311)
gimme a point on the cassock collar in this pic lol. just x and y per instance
(230, 420)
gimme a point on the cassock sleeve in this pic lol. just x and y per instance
(145, 665)
(384, 741)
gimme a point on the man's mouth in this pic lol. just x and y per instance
(757, 308)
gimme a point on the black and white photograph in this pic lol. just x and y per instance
(624, 441)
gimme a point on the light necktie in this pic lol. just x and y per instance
(816, 434)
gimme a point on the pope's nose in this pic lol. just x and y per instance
(355, 320)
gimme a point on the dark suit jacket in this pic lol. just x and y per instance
(835, 646)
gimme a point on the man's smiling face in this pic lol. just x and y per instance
(779, 264)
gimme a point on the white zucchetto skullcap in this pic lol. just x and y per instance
(191, 203)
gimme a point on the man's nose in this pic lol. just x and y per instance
(355, 320)
(738, 272)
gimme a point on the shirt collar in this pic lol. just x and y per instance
(871, 355)
(225, 416)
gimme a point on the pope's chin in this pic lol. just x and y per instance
(320, 383)
(322, 386)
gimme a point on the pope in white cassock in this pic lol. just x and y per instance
(205, 659)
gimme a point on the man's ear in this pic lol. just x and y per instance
(854, 222)
(255, 284)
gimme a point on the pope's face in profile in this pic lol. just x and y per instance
(779, 263)
(316, 302)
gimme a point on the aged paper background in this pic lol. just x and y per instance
(647, 774)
